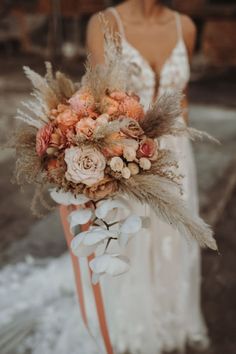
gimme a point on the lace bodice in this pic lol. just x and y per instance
(174, 74)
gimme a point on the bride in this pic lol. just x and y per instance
(155, 307)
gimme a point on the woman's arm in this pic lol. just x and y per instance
(189, 35)
(95, 38)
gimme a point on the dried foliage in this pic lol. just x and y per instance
(162, 196)
(161, 117)
(28, 164)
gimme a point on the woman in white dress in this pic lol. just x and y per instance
(155, 307)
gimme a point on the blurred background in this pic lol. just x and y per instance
(32, 31)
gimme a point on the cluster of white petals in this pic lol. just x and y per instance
(101, 231)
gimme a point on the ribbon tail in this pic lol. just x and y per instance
(64, 212)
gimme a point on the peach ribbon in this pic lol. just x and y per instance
(97, 293)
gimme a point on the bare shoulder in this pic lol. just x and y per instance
(95, 21)
(95, 35)
(189, 32)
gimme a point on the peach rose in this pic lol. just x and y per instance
(114, 145)
(147, 148)
(43, 138)
(66, 119)
(85, 127)
(110, 106)
(83, 103)
(106, 187)
(118, 103)
(84, 165)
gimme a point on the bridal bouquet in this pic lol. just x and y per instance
(95, 148)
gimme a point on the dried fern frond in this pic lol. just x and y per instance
(161, 117)
(42, 89)
(161, 195)
(181, 129)
(65, 86)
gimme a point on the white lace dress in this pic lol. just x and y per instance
(152, 308)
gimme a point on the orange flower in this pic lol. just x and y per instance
(67, 118)
(114, 145)
(106, 187)
(132, 108)
(119, 103)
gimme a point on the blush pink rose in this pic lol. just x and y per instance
(147, 148)
(43, 137)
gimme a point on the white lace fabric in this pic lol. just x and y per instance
(152, 308)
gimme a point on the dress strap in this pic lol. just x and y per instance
(178, 26)
(118, 21)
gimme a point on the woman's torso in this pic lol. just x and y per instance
(174, 73)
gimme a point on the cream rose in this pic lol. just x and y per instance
(84, 165)
(145, 164)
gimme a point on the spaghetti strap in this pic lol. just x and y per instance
(178, 25)
(118, 20)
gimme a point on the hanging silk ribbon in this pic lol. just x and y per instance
(97, 293)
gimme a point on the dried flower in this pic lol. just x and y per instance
(114, 145)
(134, 168)
(105, 187)
(85, 165)
(116, 164)
(132, 129)
(126, 173)
(129, 153)
(83, 103)
(85, 127)
(147, 148)
(67, 118)
(43, 138)
(145, 164)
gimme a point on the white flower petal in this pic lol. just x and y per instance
(78, 248)
(107, 205)
(124, 239)
(109, 264)
(67, 198)
(96, 235)
(131, 225)
(79, 217)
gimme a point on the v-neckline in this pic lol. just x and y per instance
(157, 77)
(155, 74)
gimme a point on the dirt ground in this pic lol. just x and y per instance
(210, 94)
